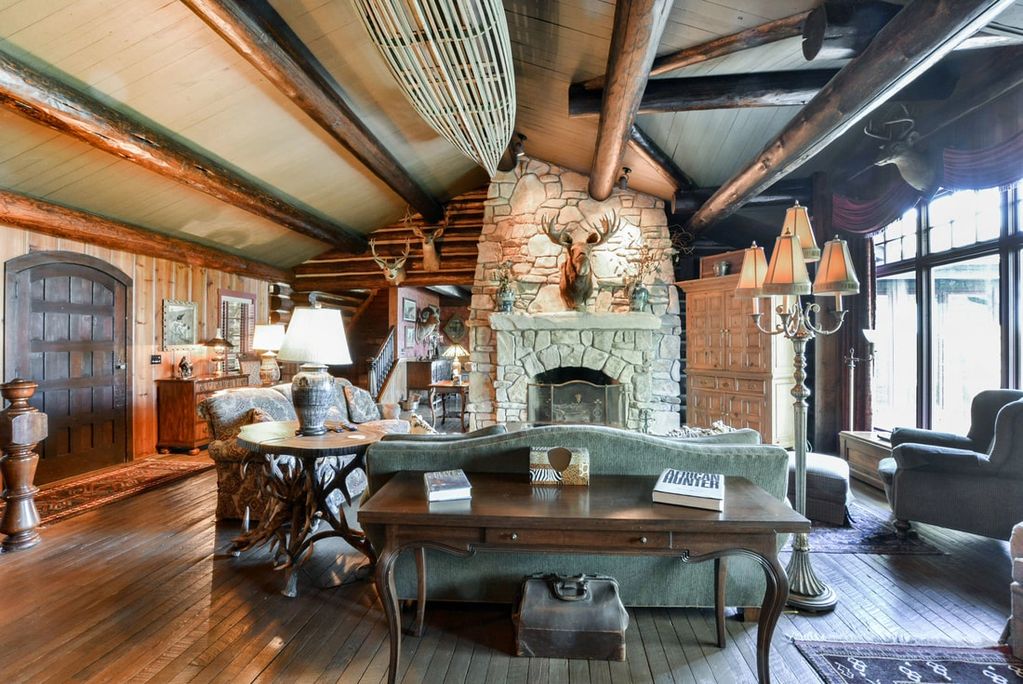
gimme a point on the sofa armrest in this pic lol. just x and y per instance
(937, 459)
(931, 437)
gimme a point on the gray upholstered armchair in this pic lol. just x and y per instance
(972, 483)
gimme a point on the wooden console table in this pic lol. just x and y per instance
(613, 515)
(863, 451)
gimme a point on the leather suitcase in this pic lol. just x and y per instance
(570, 617)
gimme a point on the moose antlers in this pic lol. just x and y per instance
(576, 274)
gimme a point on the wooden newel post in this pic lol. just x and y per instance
(22, 427)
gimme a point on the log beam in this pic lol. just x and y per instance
(782, 193)
(39, 216)
(260, 35)
(342, 283)
(768, 32)
(920, 35)
(637, 30)
(64, 108)
(646, 148)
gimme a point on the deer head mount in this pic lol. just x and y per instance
(431, 258)
(576, 273)
(899, 147)
(394, 270)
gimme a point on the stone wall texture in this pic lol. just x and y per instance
(518, 204)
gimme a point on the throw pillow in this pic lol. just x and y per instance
(716, 428)
(258, 415)
(420, 426)
(361, 407)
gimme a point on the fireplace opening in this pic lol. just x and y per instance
(572, 394)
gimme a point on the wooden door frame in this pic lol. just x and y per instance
(14, 266)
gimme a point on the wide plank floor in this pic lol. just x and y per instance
(141, 590)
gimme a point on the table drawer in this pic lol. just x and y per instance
(597, 540)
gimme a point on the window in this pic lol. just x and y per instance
(947, 263)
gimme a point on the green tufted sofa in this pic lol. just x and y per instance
(495, 577)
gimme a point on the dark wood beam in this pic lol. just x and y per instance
(736, 91)
(265, 40)
(648, 149)
(638, 25)
(28, 92)
(57, 220)
(342, 283)
(768, 32)
(782, 193)
(920, 35)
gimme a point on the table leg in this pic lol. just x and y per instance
(774, 600)
(432, 397)
(720, 573)
(416, 629)
(389, 599)
(461, 398)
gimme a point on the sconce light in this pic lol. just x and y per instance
(623, 180)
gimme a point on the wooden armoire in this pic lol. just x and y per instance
(734, 372)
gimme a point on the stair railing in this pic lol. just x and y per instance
(381, 364)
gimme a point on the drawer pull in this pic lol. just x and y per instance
(514, 536)
(643, 540)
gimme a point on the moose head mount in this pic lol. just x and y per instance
(576, 270)
(899, 147)
(431, 258)
(394, 270)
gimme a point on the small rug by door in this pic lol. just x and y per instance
(851, 663)
(75, 496)
(869, 533)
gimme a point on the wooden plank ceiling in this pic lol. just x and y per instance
(158, 60)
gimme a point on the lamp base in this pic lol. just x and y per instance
(312, 392)
(269, 369)
(807, 592)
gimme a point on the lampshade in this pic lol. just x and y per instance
(455, 350)
(835, 274)
(797, 222)
(786, 274)
(754, 270)
(316, 336)
(268, 337)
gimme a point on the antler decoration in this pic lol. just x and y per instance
(394, 271)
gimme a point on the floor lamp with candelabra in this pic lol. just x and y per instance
(786, 275)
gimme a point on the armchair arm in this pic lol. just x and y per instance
(932, 437)
(937, 459)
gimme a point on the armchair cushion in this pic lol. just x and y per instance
(937, 459)
(903, 435)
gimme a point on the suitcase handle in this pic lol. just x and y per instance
(579, 586)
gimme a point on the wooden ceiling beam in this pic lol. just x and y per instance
(637, 31)
(768, 32)
(344, 283)
(57, 220)
(647, 149)
(260, 35)
(29, 92)
(916, 39)
(783, 193)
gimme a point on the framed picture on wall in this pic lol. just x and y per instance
(410, 336)
(179, 324)
(408, 310)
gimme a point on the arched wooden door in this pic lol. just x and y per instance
(67, 329)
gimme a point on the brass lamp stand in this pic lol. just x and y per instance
(787, 276)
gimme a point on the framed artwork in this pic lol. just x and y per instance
(408, 310)
(179, 324)
(455, 329)
(410, 336)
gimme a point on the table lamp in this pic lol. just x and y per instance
(315, 338)
(268, 338)
(453, 352)
(219, 346)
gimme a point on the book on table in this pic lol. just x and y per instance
(688, 488)
(447, 485)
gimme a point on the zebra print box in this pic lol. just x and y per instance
(559, 465)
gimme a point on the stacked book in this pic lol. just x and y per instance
(447, 485)
(688, 488)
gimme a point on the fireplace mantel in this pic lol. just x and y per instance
(575, 320)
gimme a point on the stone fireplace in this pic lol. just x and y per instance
(638, 350)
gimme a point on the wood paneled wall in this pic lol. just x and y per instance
(153, 281)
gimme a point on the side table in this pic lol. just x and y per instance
(443, 389)
(863, 451)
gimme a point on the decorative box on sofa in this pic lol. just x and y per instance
(644, 581)
(227, 412)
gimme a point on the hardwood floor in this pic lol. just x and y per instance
(141, 590)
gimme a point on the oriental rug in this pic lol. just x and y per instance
(853, 663)
(869, 532)
(77, 495)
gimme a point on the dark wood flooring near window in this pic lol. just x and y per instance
(141, 590)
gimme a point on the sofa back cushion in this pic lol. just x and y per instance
(227, 411)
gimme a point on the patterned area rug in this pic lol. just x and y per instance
(76, 496)
(869, 533)
(839, 663)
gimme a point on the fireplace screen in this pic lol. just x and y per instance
(576, 401)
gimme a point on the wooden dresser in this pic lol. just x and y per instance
(422, 374)
(177, 408)
(734, 372)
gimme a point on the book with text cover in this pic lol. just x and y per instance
(447, 485)
(687, 488)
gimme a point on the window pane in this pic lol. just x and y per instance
(897, 241)
(967, 347)
(895, 357)
(959, 219)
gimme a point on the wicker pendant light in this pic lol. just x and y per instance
(452, 59)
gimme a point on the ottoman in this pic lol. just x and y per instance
(827, 487)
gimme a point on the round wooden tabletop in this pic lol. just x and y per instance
(279, 437)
